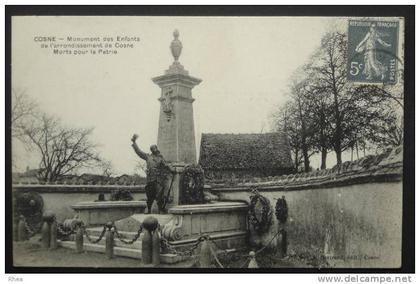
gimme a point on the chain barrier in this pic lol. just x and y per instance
(171, 249)
(64, 233)
(128, 242)
(260, 250)
(266, 245)
(31, 231)
(90, 239)
(165, 244)
(215, 257)
(219, 249)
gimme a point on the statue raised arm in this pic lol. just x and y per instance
(156, 171)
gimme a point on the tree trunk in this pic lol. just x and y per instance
(296, 160)
(338, 155)
(306, 159)
(303, 134)
(357, 150)
(324, 158)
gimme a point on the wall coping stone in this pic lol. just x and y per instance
(108, 204)
(385, 167)
(85, 188)
(208, 208)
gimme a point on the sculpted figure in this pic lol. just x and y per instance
(157, 171)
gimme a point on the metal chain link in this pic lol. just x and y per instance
(215, 257)
(266, 245)
(246, 261)
(65, 233)
(30, 231)
(90, 239)
(165, 243)
(225, 251)
(128, 242)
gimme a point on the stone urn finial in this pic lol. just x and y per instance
(176, 46)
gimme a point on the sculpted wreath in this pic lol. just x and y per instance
(260, 213)
(192, 185)
(30, 205)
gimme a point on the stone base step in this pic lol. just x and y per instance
(135, 253)
(118, 251)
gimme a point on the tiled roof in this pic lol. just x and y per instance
(244, 151)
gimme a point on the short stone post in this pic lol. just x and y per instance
(48, 217)
(53, 235)
(252, 262)
(79, 237)
(155, 248)
(283, 244)
(150, 224)
(22, 233)
(45, 235)
(282, 213)
(205, 254)
(109, 241)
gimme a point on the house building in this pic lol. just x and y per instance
(226, 156)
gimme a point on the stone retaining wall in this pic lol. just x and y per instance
(350, 215)
(59, 197)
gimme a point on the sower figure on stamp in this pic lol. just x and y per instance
(157, 172)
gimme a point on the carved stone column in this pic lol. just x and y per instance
(176, 138)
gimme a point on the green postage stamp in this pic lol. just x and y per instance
(372, 51)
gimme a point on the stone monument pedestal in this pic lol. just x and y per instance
(99, 213)
(174, 183)
(224, 222)
(176, 138)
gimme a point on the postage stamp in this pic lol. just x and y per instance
(372, 51)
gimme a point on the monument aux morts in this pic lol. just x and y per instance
(185, 222)
(176, 139)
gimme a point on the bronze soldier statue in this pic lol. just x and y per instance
(157, 171)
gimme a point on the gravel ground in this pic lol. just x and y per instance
(31, 254)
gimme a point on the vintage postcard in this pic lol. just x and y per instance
(159, 142)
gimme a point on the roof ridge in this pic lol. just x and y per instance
(274, 132)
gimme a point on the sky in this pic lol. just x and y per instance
(245, 64)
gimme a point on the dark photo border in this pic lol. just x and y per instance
(408, 219)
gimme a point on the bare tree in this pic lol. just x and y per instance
(327, 112)
(353, 111)
(23, 110)
(300, 108)
(140, 167)
(107, 168)
(319, 112)
(283, 121)
(330, 66)
(294, 121)
(63, 150)
(387, 132)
